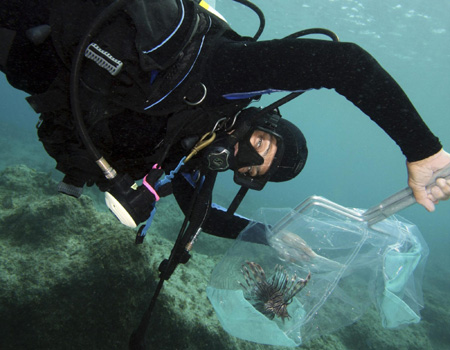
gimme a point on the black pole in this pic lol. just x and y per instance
(278, 103)
(198, 214)
(137, 339)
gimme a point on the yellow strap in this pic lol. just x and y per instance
(211, 9)
(204, 4)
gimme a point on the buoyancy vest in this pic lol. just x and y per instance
(146, 38)
(162, 46)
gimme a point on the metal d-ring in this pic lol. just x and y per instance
(200, 100)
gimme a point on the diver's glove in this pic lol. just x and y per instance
(420, 174)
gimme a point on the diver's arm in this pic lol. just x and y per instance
(381, 98)
(303, 64)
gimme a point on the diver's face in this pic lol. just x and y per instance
(266, 146)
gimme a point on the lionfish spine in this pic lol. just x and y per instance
(271, 296)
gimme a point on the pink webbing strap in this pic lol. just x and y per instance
(149, 187)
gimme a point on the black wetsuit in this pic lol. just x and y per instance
(132, 134)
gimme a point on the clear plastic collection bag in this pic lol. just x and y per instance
(352, 266)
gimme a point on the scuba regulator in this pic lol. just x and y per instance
(234, 150)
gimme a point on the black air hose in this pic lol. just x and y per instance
(75, 78)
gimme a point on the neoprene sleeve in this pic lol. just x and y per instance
(302, 64)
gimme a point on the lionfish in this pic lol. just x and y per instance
(271, 296)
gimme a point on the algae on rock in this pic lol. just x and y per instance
(72, 277)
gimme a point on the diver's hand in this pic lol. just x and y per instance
(420, 174)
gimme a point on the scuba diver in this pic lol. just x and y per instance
(140, 84)
(131, 89)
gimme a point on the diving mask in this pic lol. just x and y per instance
(239, 149)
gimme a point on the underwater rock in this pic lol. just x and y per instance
(63, 268)
(72, 278)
